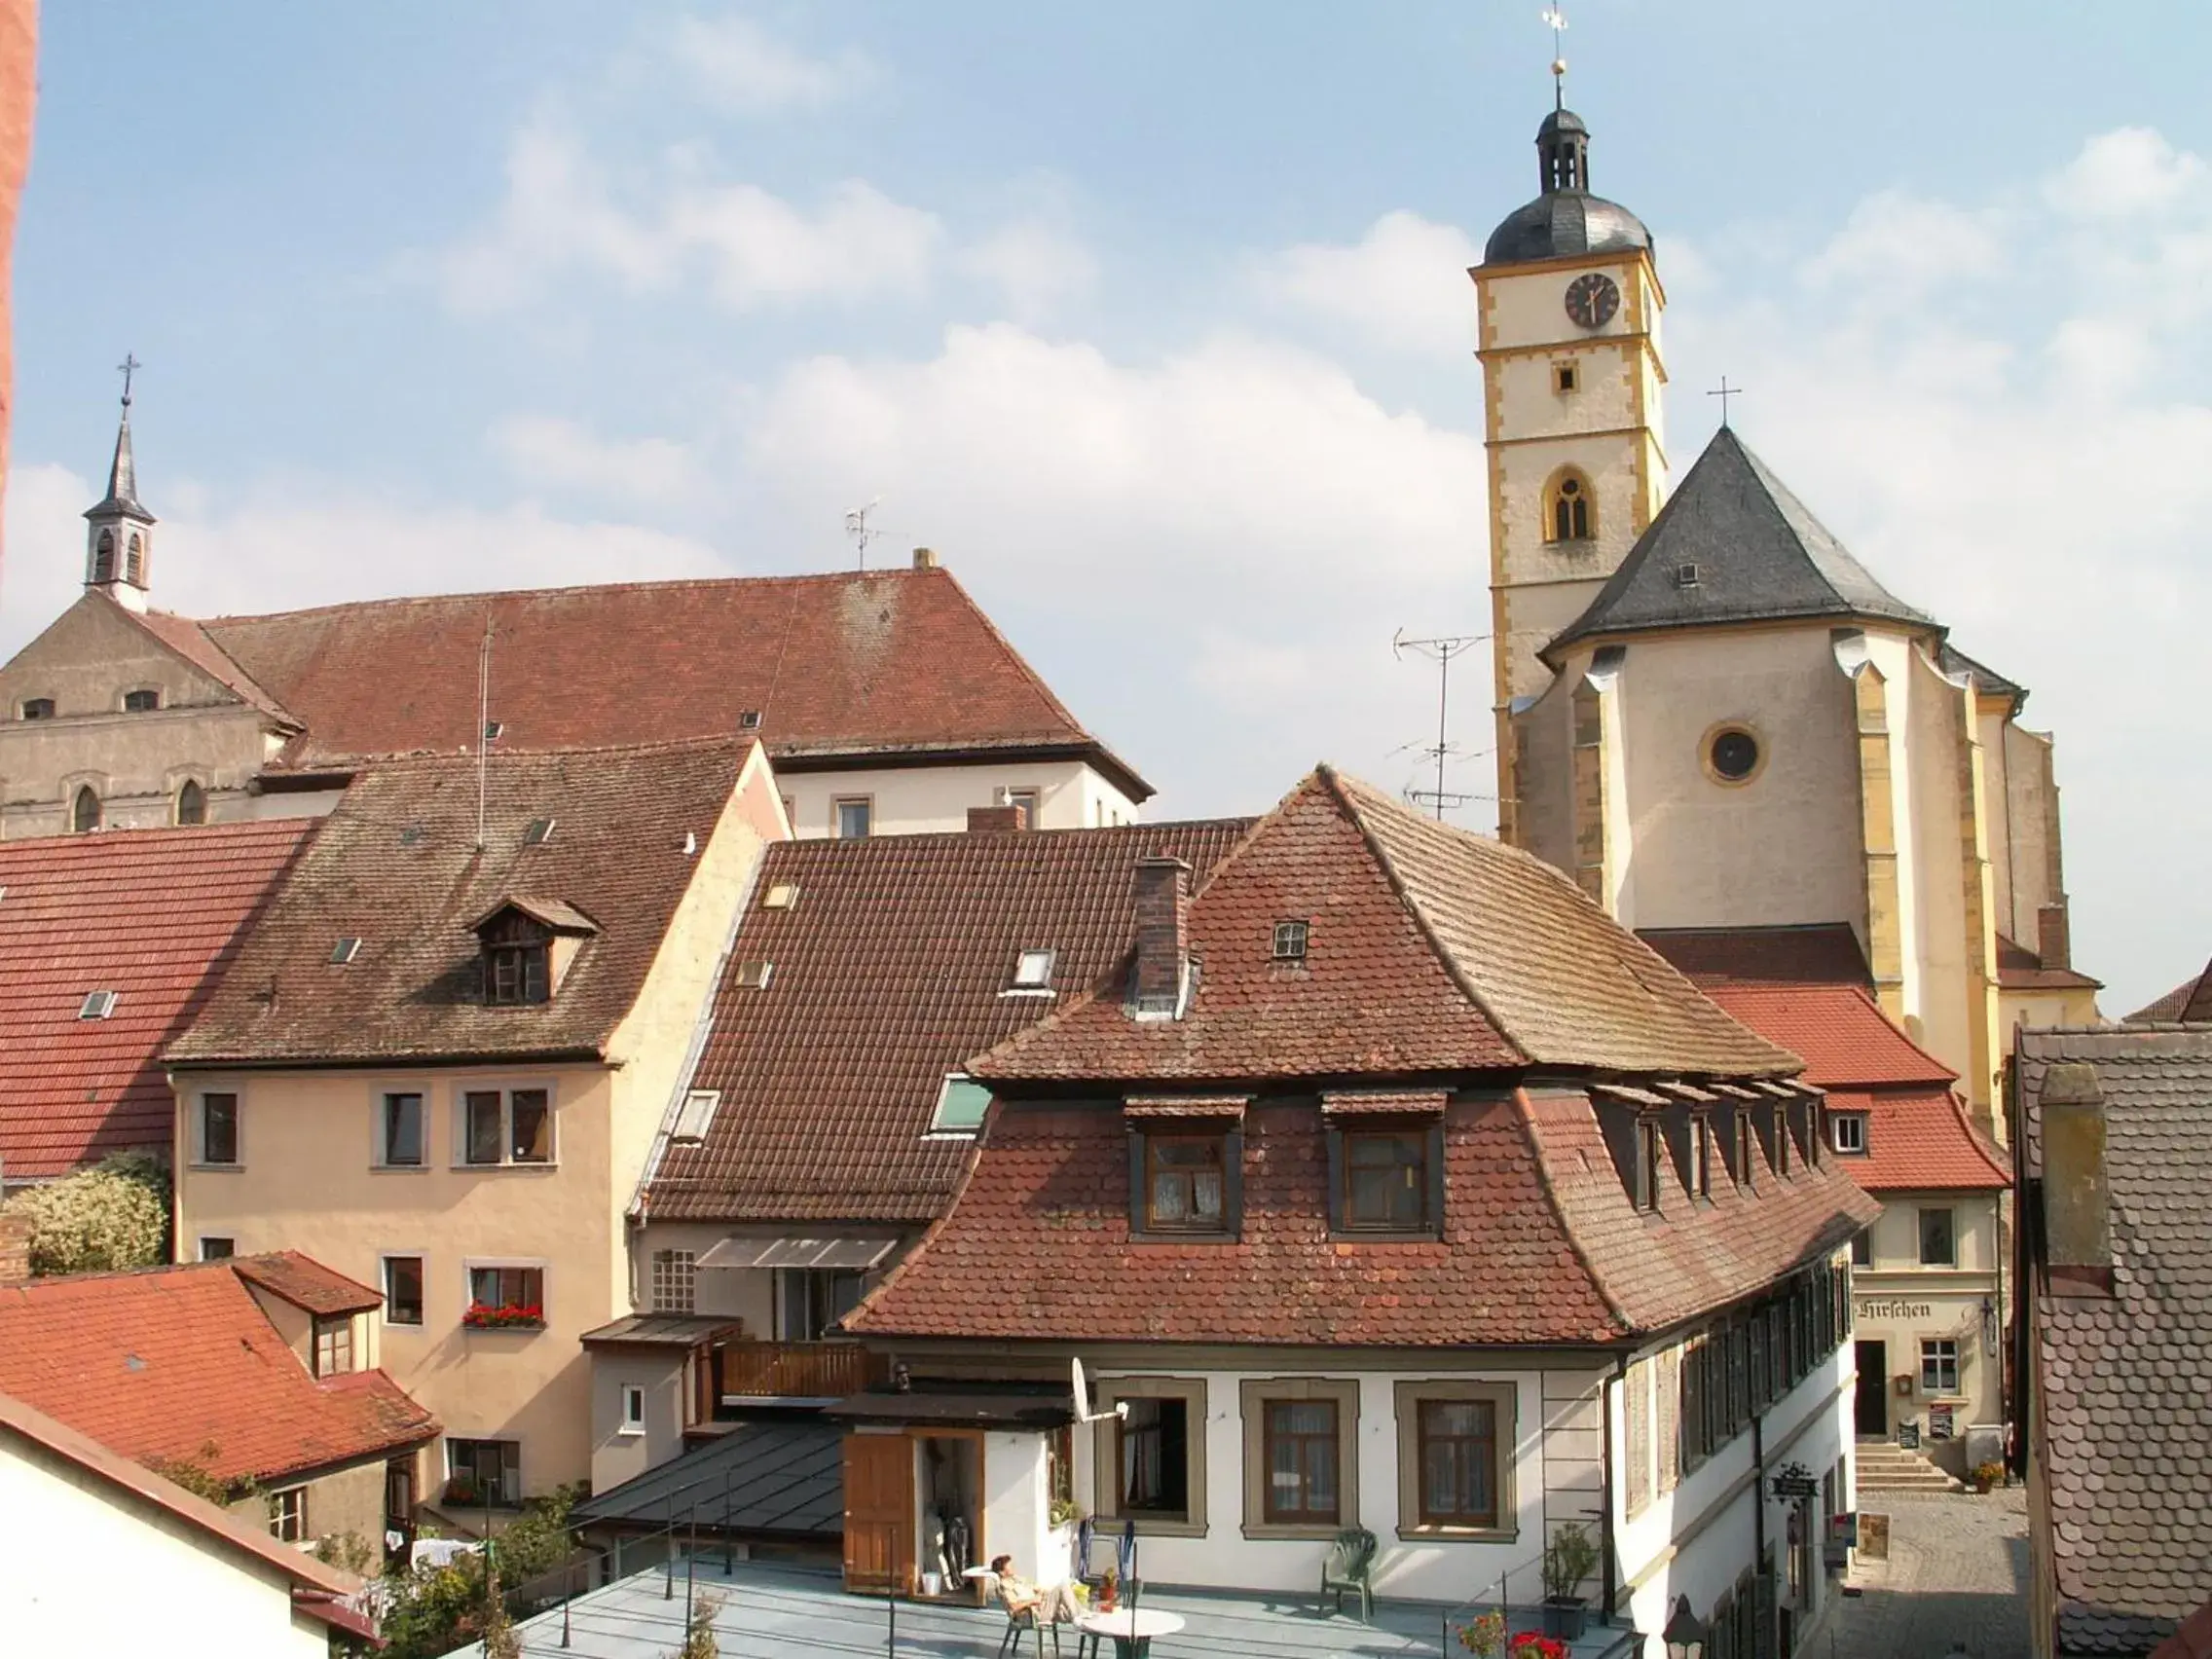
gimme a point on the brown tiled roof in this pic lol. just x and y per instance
(1919, 1140)
(1427, 949)
(845, 664)
(2019, 968)
(2188, 1002)
(397, 867)
(190, 641)
(1816, 953)
(307, 1283)
(151, 915)
(1539, 1245)
(162, 1364)
(2193, 1641)
(2125, 1442)
(889, 973)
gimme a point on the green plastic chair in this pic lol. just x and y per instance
(1350, 1566)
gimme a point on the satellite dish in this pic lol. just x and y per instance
(1081, 1390)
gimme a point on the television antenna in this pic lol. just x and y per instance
(1083, 1412)
(1441, 649)
(861, 531)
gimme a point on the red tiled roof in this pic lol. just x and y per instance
(889, 973)
(2191, 1001)
(190, 641)
(843, 664)
(2019, 968)
(161, 1364)
(152, 914)
(1817, 953)
(1846, 1040)
(307, 1283)
(1919, 1141)
(1427, 949)
(1540, 1243)
(319, 1592)
(397, 867)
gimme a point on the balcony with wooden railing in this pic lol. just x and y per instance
(744, 1369)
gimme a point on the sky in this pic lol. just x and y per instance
(1152, 321)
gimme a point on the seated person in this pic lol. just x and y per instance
(1054, 1606)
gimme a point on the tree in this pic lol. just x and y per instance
(699, 1636)
(112, 1215)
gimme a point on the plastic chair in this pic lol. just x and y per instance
(1350, 1566)
(1020, 1619)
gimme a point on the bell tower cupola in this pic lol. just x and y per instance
(119, 536)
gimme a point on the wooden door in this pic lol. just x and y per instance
(880, 1513)
(1873, 1404)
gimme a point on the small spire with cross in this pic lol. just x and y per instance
(1725, 391)
(1555, 18)
(129, 367)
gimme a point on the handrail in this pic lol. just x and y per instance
(826, 1370)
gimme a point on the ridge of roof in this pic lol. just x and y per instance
(183, 638)
(2175, 1006)
(1760, 553)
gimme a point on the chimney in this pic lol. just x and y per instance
(2077, 1203)
(2054, 941)
(1163, 935)
(925, 559)
(995, 819)
(14, 1249)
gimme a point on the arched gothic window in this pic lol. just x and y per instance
(134, 560)
(1570, 508)
(191, 803)
(103, 556)
(86, 813)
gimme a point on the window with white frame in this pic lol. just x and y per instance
(505, 1126)
(1033, 970)
(399, 1130)
(1938, 1366)
(288, 1515)
(961, 1105)
(675, 1284)
(215, 1128)
(334, 1346)
(632, 1409)
(216, 1248)
(1846, 1131)
(855, 818)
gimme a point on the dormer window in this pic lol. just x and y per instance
(1849, 1129)
(1649, 1143)
(1290, 941)
(528, 946)
(1745, 1154)
(1782, 1140)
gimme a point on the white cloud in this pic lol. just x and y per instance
(652, 228)
(549, 452)
(1035, 266)
(745, 70)
(1403, 285)
(2124, 174)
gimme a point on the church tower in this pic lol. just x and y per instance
(119, 536)
(1568, 306)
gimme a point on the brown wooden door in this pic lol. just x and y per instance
(880, 1513)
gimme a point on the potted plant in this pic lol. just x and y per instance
(461, 1493)
(1568, 1559)
(1485, 1634)
(1989, 1474)
(1109, 1591)
(1531, 1644)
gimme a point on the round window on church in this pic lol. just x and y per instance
(1732, 755)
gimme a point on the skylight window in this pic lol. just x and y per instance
(1290, 941)
(539, 831)
(411, 835)
(754, 975)
(696, 1112)
(781, 896)
(748, 720)
(1686, 576)
(960, 1106)
(1033, 970)
(345, 951)
(98, 1005)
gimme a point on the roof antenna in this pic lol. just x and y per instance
(856, 527)
(483, 726)
(1440, 651)
(1555, 18)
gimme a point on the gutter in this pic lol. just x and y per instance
(1609, 1556)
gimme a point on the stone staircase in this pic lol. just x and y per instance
(1883, 1466)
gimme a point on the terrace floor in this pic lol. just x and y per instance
(784, 1612)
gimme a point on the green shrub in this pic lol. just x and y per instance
(432, 1610)
(112, 1215)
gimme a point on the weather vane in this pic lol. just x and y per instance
(1555, 18)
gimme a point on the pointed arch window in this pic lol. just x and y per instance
(84, 812)
(103, 556)
(134, 560)
(1571, 508)
(191, 802)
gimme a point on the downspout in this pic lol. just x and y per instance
(1763, 1642)
(1611, 1562)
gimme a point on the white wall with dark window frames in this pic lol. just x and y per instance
(217, 1134)
(402, 1125)
(1939, 1238)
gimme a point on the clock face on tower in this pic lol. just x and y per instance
(1592, 300)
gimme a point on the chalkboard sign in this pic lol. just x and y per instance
(1908, 1436)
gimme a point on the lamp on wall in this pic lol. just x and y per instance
(1684, 1635)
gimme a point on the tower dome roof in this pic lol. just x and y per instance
(1567, 219)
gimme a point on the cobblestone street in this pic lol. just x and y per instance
(1956, 1580)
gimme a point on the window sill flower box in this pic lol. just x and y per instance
(514, 1316)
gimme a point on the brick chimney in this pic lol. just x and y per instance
(2054, 936)
(925, 559)
(2076, 1200)
(995, 819)
(1163, 935)
(14, 1249)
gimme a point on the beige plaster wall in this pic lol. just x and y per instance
(2030, 828)
(1937, 963)
(919, 799)
(618, 1455)
(344, 1501)
(2039, 1011)
(1781, 848)
(1541, 787)
(306, 1183)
